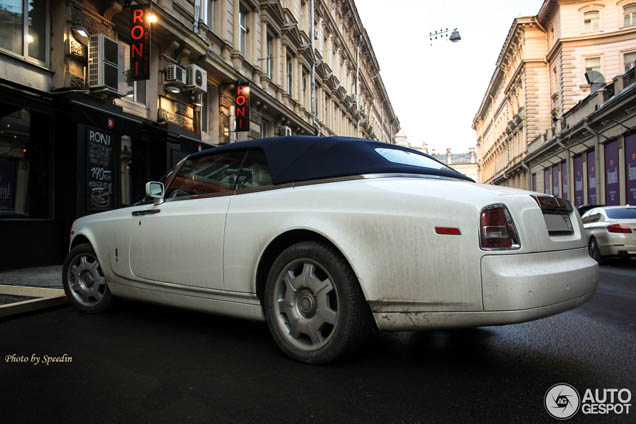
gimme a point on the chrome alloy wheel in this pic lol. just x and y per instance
(86, 281)
(306, 304)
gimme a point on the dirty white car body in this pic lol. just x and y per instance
(411, 241)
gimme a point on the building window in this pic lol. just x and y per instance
(264, 128)
(23, 28)
(208, 14)
(25, 174)
(243, 30)
(289, 75)
(593, 64)
(134, 91)
(629, 15)
(591, 20)
(628, 60)
(270, 51)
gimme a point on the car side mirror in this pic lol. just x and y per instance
(156, 190)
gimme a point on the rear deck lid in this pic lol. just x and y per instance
(556, 214)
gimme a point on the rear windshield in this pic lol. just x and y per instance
(409, 158)
(622, 213)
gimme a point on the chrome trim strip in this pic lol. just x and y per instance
(311, 182)
(374, 176)
(225, 295)
(328, 180)
(263, 188)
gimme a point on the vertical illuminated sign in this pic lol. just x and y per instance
(578, 180)
(564, 180)
(630, 168)
(555, 180)
(611, 173)
(591, 178)
(242, 106)
(140, 43)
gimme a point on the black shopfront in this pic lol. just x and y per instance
(67, 155)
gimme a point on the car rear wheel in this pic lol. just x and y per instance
(83, 280)
(594, 251)
(313, 304)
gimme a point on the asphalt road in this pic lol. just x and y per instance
(153, 364)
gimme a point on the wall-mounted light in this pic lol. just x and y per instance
(80, 34)
(152, 18)
(172, 89)
(197, 100)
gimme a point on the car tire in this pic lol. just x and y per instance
(313, 304)
(83, 280)
(595, 252)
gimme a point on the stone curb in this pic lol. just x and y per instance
(46, 298)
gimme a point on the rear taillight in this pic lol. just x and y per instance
(616, 228)
(497, 230)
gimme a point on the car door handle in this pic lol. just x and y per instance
(146, 212)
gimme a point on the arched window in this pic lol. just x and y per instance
(591, 20)
(629, 15)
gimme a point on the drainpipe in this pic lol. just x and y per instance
(567, 166)
(357, 82)
(314, 112)
(528, 173)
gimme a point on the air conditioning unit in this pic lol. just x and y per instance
(103, 67)
(175, 74)
(197, 78)
(284, 131)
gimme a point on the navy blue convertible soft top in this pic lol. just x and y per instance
(302, 158)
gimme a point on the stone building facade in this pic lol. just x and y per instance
(541, 74)
(589, 155)
(78, 133)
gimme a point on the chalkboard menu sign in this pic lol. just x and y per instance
(99, 167)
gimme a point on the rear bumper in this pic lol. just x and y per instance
(616, 250)
(515, 288)
(534, 280)
(401, 321)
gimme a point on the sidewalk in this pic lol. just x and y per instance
(30, 289)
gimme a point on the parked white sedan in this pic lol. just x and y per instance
(325, 238)
(610, 231)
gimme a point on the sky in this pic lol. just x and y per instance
(436, 90)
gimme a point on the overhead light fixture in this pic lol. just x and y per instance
(455, 37)
(29, 38)
(173, 89)
(197, 100)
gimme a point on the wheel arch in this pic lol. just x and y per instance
(80, 239)
(87, 237)
(283, 241)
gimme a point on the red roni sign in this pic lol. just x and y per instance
(242, 106)
(140, 43)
